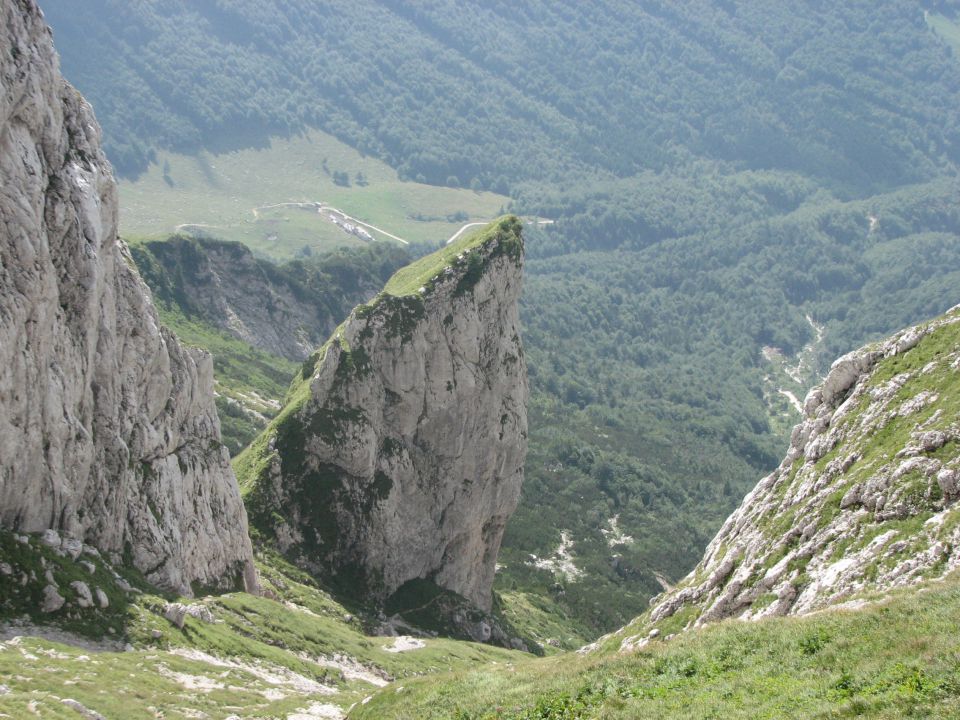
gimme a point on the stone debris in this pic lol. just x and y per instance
(271, 674)
(318, 711)
(84, 596)
(561, 562)
(405, 643)
(50, 538)
(614, 534)
(52, 599)
(71, 548)
(350, 669)
(103, 602)
(177, 613)
(84, 711)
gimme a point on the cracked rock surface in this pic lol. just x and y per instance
(401, 455)
(108, 431)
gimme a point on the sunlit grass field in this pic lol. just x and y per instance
(250, 195)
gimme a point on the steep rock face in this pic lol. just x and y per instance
(400, 454)
(108, 431)
(865, 499)
(288, 310)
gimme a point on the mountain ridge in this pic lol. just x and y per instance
(865, 498)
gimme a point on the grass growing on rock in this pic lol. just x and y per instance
(267, 657)
(505, 232)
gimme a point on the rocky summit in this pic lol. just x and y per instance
(108, 432)
(399, 455)
(864, 501)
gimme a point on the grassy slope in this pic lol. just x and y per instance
(293, 631)
(220, 193)
(894, 659)
(408, 280)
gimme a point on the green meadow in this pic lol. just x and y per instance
(265, 197)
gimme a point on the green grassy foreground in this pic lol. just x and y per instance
(265, 657)
(893, 659)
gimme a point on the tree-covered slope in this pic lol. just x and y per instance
(653, 400)
(859, 93)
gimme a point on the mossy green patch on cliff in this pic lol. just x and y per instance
(506, 233)
(32, 567)
(311, 491)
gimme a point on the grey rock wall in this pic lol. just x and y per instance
(401, 456)
(108, 432)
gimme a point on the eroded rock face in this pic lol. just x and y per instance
(275, 309)
(401, 455)
(108, 432)
(864, 500)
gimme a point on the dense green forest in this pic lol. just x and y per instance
(724, 176)
(858, 94)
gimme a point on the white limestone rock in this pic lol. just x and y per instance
(52, 599)
(84, 596)
(404, 457)
(108, 431)
(177, 613)
(51, 539)
(811, 534)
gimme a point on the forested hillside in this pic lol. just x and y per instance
(741, 189)
(858, 94)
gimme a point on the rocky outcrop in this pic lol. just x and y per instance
(865, 499)
(108, 432)
(400, 453)
(288, 310)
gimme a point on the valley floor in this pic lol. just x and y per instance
(294, 654)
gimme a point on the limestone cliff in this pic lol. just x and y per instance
(108, 432)
(865, 500)
(399, 455)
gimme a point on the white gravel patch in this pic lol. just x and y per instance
(270, 674)
(318, 711)
(405, 643)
